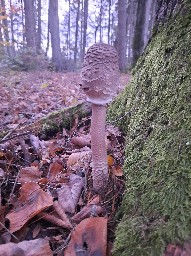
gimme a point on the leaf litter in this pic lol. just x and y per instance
(47, 199)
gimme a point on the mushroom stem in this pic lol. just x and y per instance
(98, 145)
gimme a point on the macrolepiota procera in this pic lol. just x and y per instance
(100, 78)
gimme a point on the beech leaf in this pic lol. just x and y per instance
(32, 201)
(68, 194)
(89, 238)
(29, 174)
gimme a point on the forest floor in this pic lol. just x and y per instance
(47, 200)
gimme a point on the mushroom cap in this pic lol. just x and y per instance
(100, 73)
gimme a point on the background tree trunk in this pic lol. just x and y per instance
(30, 28)
(55, 36)
(6, 29)
(76, 32)
(85, 28)
(121, 34)
(138, 41)
(39, 30)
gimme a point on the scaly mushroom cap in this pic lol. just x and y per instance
(100, 73)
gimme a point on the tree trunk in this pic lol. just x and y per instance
(68, 34)
(6, 29)
(155, 212)
(55, 36)
(138, 41)
(76, 33)
(85, 28)
(109, 22)
(39, 30)
(121, 35)
(30, 28)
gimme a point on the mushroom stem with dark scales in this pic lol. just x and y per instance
(100, 78)
(98, 146)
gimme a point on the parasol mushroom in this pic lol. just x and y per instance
(100, 76)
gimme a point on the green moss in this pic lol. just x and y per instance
(64, 118)
(157, 202)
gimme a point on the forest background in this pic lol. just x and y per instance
(31, 31)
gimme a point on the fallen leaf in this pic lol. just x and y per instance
(29, 174)
(37, 247)
(54, 169)
(117, 171)
(36, 230)
(90, 210)
(88, 238)
(110, 160)
(68, 194)
(11, 249)
(75, 157)
(32, 201)
(81, 141)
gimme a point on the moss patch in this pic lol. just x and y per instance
(156, 107)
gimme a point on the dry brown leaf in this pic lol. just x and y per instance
(81, 141)
(90, 210)
(54, 169)
(36, 230)
(88, 238)
(35, 141)
(117, 171)
(60, 211)
(32, 201)
(110, 160)
(54, 219)
(75, 157)
(68, 194)
(11, 249)
(29, 174)
(37, 247)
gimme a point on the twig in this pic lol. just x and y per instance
(14, 186)
(60, 211)
(13, 137)
(54, 220)
(62, 247)
(9, 231)
(9, 133)
(27, 155)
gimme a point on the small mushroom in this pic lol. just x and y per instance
(100, 77)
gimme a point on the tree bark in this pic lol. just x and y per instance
(85, 28)
(30, 28)
(138, 41)
(55, 36)
(121, 35)
(6, 29)
(39, 30)
(76, 33)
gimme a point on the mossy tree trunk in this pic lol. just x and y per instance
(155, 107)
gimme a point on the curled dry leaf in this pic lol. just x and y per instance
(88, 238)
(37, 247)
(29, 174)
(60, 211)
(11, 249)
(34, 140)
(90, 210)
(68, 194)
(54, 219)
(32, 200)
(79, 156)
(117, 171)
(110, 160)
(54, 169)
(81, 141)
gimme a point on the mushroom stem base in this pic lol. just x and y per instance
(98, 145)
